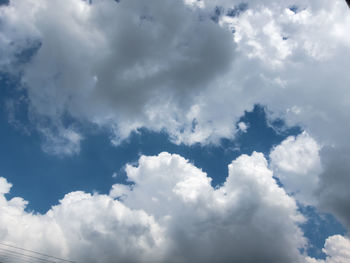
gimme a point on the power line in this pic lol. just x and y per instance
(11, 253)
(17, 257)
(35, 252)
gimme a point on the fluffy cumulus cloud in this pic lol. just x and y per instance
(314, 175)
(296, 162)
(337, 250)
(169, 213)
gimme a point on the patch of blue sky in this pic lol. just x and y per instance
(36, 174)
(294, 8)
(318, 228)
(25, 54)
(237, 10)
(233, 12)
(4, 2)
(217, 13)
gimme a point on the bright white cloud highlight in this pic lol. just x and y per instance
(4, 186)
(242, 126)
(296, 162)
(171, 213)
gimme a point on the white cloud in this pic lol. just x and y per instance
(242, 126)
(64, 141)
(84, 227)
(337, 249)
(305, 86)
(4, 186)
(171, 213)
(296, 162)
(314, 175)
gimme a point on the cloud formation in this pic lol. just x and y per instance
(191, 69)
(296, 162)
(314, 175)
(112, 62)
(165, 65)
(170, 213)
(337, 250)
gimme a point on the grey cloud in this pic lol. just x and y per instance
(333, 192)
(164, 64)
(108, 62)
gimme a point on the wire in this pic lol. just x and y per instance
(16, 258)
(35, 252)
(13, 257)
(25, 256)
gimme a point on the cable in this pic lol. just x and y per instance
(14, 254)
(25, 256)
(35, 252)
(13, 257)
(16, 258)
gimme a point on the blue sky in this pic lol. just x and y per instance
(175, 131)
(37, 174)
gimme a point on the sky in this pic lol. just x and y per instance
(174, 131)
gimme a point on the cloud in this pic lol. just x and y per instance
(165, 65)
(63, 141)
(169, 213)
(242, 126)
(333, 193)
(297, 67)
(296, 162)
(337, 250)
(4, 186)
(314, 175)
(109, 63)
